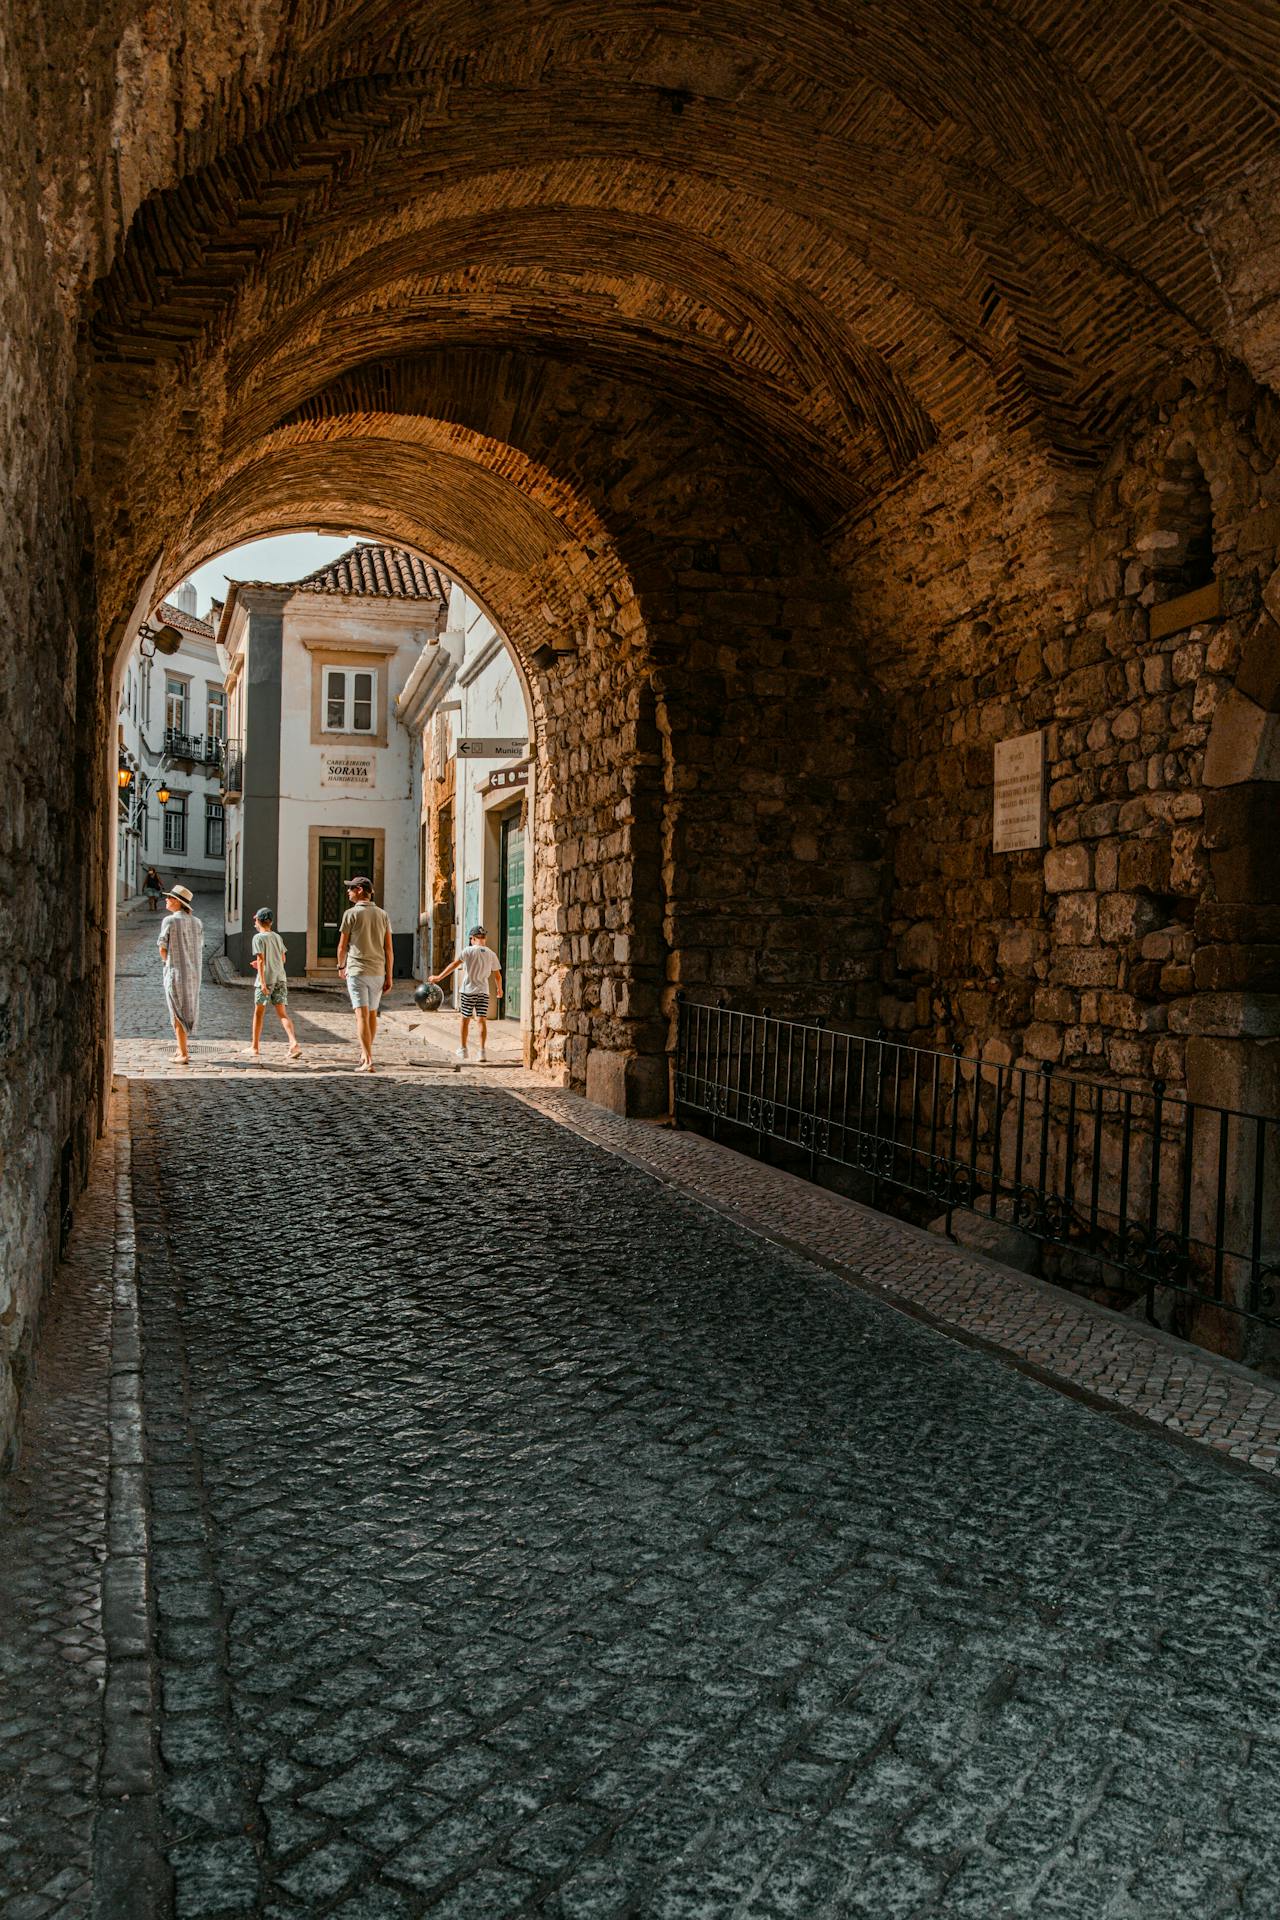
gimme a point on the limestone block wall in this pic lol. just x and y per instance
(773, 850)
(711, 777)
(54, 723)
(597, 914)
(1149, 919)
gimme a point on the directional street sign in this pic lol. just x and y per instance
(511, 749)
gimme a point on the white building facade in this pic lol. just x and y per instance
(171, 728)
(319, 783)
(473, 808)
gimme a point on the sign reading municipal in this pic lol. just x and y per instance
(495, 749)
(1018, 815)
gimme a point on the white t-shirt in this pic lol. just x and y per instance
(478, 964)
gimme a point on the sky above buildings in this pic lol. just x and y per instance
(285, 556)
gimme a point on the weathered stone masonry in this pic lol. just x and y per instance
(53, 883)
(1143, 942)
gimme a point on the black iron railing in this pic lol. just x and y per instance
(232, 758)
(1163, 1193)
(201, 749)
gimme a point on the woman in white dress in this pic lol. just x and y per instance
(182, 951)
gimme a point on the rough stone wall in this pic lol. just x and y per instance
(773, 843)
(710, 815)
(53, 889)
(1126, 937)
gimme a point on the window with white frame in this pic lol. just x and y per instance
(175, 704)
(215, 713)
(350, 700)
(175, 824)
(214, 830)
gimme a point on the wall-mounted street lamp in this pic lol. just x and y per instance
(124, 777)
(548, 654)
(161, 639)
(162, 794)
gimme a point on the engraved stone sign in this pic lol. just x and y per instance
(1019, 813)
(350, 770)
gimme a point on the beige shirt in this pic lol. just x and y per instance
(366, 928)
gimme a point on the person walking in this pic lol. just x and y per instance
(272, 986)
(365, 961)
(181, 944)
(152, 888)
(479, 965)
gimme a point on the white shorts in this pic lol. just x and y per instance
(365, 990)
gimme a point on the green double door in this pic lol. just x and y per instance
(339, 860)
(511, 912)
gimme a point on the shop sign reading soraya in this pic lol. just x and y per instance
(347, 770)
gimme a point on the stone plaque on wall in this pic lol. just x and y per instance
(1019, 811)
(347, 770)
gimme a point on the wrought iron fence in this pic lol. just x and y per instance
(1162, 1192)
(202, 749)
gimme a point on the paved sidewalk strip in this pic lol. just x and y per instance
(1160, 1379)
(53, 1543)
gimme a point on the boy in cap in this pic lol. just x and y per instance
(365, 960)
(479, 965)
(272, 988)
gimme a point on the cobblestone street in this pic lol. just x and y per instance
(526, 1536)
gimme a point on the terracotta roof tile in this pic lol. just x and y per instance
(387, 573)
(184, 622)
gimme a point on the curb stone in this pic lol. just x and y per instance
(131, 1881)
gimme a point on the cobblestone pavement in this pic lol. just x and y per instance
(1122, 1362)
(1067, 1339)
(568, 1546)
(528, 1538)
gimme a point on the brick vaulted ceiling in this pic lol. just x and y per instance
(847, 229)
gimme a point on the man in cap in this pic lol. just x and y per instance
(365, 961)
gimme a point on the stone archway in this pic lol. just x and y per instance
(811, 334)
(682, 837)
(598, 964)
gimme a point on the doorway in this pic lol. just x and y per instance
(339, 860)
(511, 909)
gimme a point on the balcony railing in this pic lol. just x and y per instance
(1155, 1191)
(201, 749)
(232, 761)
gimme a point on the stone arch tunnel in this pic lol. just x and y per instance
(445, 1493)
(815, 377)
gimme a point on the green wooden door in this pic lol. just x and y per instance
(511, 913)
(339, 859)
